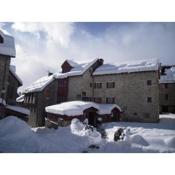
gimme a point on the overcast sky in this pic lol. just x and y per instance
(42, 47)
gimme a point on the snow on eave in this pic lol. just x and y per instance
(18, 109)
(128, 67)
(20, 99)
(8, 46)
(15, 75)
(40, 84)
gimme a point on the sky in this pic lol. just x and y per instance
(43, 47)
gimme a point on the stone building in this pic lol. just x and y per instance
(133, 86)
(9, 81)
(40, 94)
(7, 51)
(167, 89)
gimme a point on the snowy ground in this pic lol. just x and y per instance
(17, 136)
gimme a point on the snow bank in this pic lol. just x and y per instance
(171, 142)
(138, 139)
(17, 136)
(127, 67)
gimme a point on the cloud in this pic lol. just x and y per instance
(42, 47)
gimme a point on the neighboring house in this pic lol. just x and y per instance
(53, 89)
(9, 81)
(40, 94)
(167, 89)
(7, 51)
(133, 86)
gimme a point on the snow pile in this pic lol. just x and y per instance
(169, 76)
(127, 67)
(171, 142)
(139, 140)
(75, 108)
(18, 109)
(8, 46)
(81, 129)
(17, 136)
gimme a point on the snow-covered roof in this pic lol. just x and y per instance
(127, 67)
(2, 101)
(20, 99)
(169, 76)
(80, 69)
(18, 109)
(8, 46)
(13, 71)
(107, 108)
(74, 108)
(40, 84)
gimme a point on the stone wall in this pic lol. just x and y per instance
(131, 92)
(13, 85)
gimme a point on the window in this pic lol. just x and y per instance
(83, 93)
(166, 86)
(110, 100)
(166, 96)
(98, 99)
(149, 99)
(110, 85)
(91, 84)
(146, 115)
(78, 96)
(86, 98)
(98, 85)
(149, 82)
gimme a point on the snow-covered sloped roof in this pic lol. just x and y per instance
(75, 108)
(127, 67)
(79, 69)
(20, 99)
(8, 45)
(18, 109)
(40, 84)
(107, 108)
(169, 76)
(13, 71)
